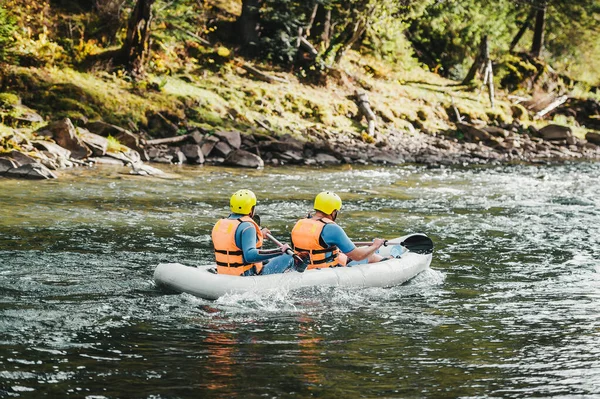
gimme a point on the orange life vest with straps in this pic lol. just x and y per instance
(306, 237)
(230, 258)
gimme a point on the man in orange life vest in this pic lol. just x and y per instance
(238, 239)
(325, 241)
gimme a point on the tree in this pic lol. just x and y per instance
(136, 48)
(538, 33)
(248, 26)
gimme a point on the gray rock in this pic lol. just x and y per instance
(555, 132)
(223, 148)
(178, 157)
(129, 156)
(31, 171)
(124, 136)
(98, 144)
(293, 156)
(65, 135)
(142, 169)
(197, 136)
(496, 131)
(244, 159)
(323, 159)
(593, 138)
(27, 116)
(208, 144)
(193, 152)
(232, 138)
(386, 158)
(20, 158)
(472, 133)
(280, 146)
(52, 148)
(107, 161)
(7, 164)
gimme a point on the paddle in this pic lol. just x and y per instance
(298, 259)
(417, 243)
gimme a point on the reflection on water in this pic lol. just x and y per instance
(509, 308)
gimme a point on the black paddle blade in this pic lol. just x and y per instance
(418, 243)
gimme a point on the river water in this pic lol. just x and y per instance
(509, 308)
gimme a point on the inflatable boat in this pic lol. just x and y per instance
(412, 254)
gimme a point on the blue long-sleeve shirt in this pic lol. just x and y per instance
(245, 238)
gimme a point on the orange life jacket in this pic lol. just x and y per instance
(230, 258)
(306, 237)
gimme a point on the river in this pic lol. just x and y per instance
(509, 308)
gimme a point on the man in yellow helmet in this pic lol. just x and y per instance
(238, 240)
(325, 241)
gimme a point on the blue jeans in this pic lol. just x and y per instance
(275, 265)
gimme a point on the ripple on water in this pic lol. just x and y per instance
(509, 307)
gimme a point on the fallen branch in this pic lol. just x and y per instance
(364, 107)
(195, 36)
(305, 44)
(489, 80)
(456, 113)
(263, 76)
(554, 104)
(168, 140)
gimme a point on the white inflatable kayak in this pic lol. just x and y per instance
(202, 282)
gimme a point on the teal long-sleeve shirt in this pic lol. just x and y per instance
(245, 238)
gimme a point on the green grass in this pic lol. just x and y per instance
(230, 98)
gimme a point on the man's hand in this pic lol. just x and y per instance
(378, 242)
(284, 248)
(265, 231)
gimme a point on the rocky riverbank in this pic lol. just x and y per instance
(61, 145)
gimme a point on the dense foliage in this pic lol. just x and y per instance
(308, 37)
(447, 34)
(7, 26)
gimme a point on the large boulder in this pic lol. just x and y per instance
(208, 144)
(326, 159)
(193, 153)
(232, 138)
(124, 136)
(52, 149)
(31, 171)
(222, 148)
(554, 132)
(20, 158)
(7, 164)
(472, 133)
(593, 138)
(65, 135)
(244, 159)
(98, 144)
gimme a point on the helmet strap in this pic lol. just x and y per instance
(334, 215)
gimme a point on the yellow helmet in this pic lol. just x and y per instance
(242, 202)
(327, 202)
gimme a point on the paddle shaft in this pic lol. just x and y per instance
(279, 244)
(418, 243)
(368, 243)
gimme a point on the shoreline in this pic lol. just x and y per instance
(60, 145)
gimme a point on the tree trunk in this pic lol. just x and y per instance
(357, 31)
(136, 48)
(321, 27)
(480, 61)
(248, 25)
(522, 30)
(538, 34)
